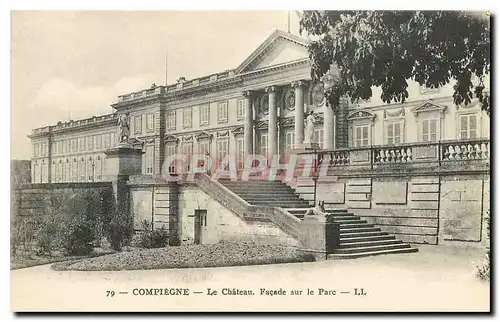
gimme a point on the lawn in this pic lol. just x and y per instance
(221, 254)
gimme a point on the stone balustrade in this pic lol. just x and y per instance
(439, 152)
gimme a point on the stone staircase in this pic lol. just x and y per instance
(357, 237)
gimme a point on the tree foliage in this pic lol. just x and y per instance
(359, 50)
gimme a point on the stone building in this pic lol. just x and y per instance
(258, 106)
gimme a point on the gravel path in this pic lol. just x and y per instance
(434, 279)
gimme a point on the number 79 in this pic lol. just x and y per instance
(110, 293)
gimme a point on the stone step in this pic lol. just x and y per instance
(383, 237)
(271, 197)
(347, 219)
(359, 230)
(372, 253)
(276, 204)
(331, 212)
(369, 243)
(360, 224)
(373, 248)
(344, 235)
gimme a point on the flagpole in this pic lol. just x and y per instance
(166, 65)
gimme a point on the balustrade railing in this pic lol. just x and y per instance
(442, 151)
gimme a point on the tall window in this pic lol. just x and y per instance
(318, 137)
(241, 109)
(187, 117)
(240, 153)
(106, 140)
(98, 169)
(170, 120)
(187, 151)
(204, 114)
(222, 149)
(138, 124)
(222, 112)
(90, 143)
(150, 122)
(171, 149)
(81, 170)
(394, 133)
(74, 146)
(35, 150)
(113, 139)
(98, 141)
(81, 144)
(74, 171)
(203, 147)
(361, 135)
(263, 145)
(149, 159)
(67, 146)
(429, 130)
(289, 141)
(468, 126)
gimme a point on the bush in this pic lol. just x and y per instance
(78, 236)
(119, 230)
(152, 238)
(48, 237)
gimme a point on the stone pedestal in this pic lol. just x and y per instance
(312, 238)
(121, 162)
(318, 236)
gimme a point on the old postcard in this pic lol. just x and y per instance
(257, 161)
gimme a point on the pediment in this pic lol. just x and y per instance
(238, 130)
(203, 135)
(361, 115)
(171, 139)
(428, 106)
(279, 48)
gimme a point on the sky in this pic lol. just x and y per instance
(73, 64)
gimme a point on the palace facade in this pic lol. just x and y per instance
(257, 107)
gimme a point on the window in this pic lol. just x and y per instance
(54, 148)
(90, 169)
(113, 139)
(204, 114)
(222, 112)
(240, 153)
(35, 150)
(81, 144)
(289, 142)
(241, 109)
(187, 117)
(150, 122)
(81, 170)
(60, 147)
(170, 120)
(90, 143)
(394, 134)
(318, 137)
(468, 126)
(203, 147)
(44, 149)
(149, 159)
(74, 171)
(106, 140)
(98, 141)
(74, 145)
(222, 147)
(138, 124)
(170, 150)
(429, 131)
(67, 146)
(263, 145)
(187, 151)
(361, 135)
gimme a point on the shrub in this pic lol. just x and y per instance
(152, 238)
(119, 230)
(48, 236)
(78, 236)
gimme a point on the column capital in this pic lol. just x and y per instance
(246, 93)
(299, 83)
(271, 89)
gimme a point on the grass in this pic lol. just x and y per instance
(221, 254)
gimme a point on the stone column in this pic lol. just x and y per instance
(248, 130)
(341, 127)
(299, 111)
(328, 127)
(272, 136)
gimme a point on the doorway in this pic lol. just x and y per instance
(200, 221)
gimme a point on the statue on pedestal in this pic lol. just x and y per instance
(319, 210)
(309, 128)
(124, 124)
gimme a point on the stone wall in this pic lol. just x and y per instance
(431, 209)
(37, 199)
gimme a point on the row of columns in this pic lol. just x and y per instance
(272, 137)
